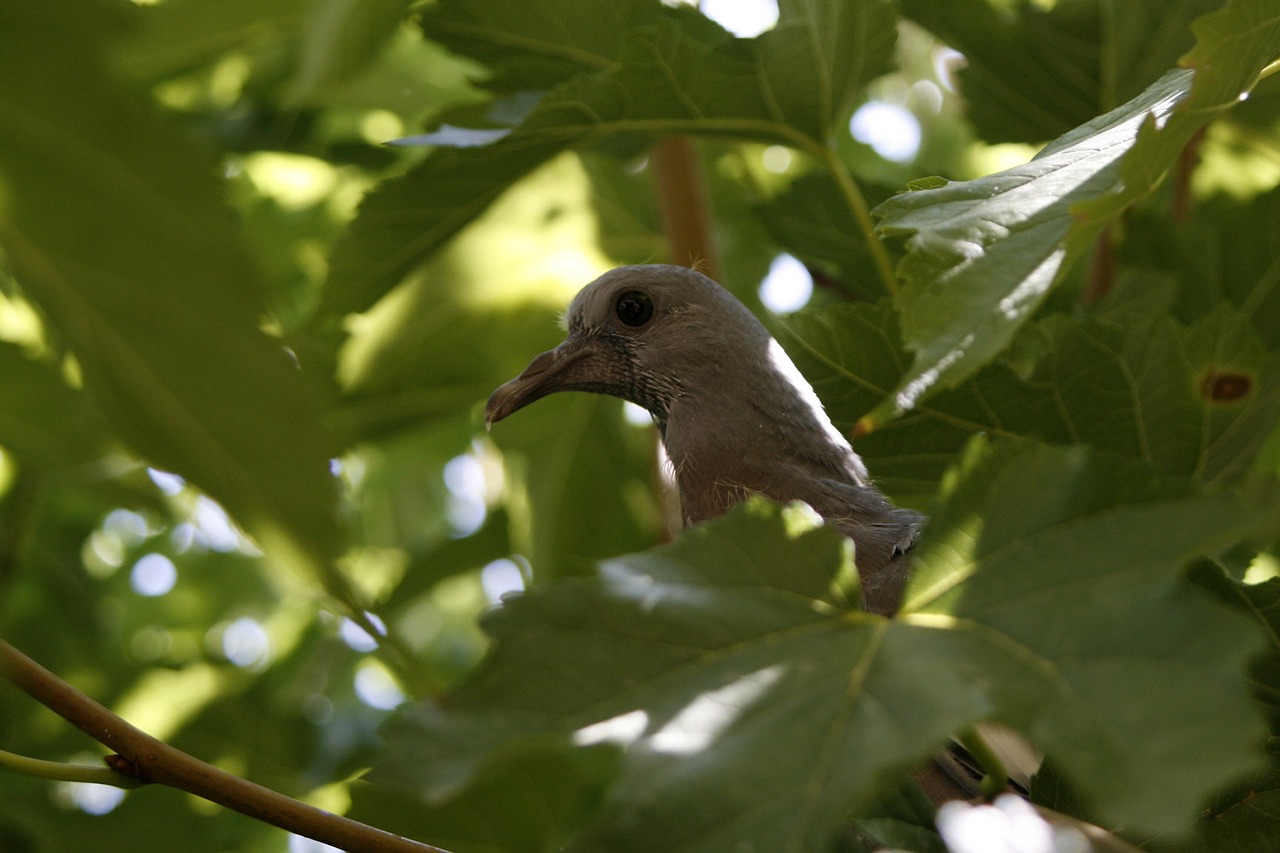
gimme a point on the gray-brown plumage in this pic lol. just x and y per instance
(735, 415)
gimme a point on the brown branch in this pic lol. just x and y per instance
(683, 205)
(144, 757)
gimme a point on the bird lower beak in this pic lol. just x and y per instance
(549, 372)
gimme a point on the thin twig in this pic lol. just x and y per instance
(152, 760)
(63, 772)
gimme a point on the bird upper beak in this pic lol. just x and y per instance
(565, 368)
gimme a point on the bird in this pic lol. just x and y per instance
(735, 415)
(737, 418)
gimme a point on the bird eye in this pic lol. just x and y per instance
(634, 308)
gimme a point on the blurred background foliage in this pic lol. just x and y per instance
(234, 414)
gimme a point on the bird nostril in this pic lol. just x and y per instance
(540, 363)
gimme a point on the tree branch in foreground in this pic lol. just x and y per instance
(150, 760)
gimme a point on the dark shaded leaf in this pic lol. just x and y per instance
(1032, 73)
(1261, 602)
(173, 38)
(1226, 252)
(342, 37)
(720, 645)
(42, 421)
(1072, 562)
(530, 801)
(1194, 402)
(758, 708)
(537, 47)
(1245, 819)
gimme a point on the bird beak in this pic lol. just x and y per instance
(565, 368)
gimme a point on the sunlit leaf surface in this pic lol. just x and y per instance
(981, 256)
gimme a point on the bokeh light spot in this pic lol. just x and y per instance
(376, 688)
(357, 638)
(153, 575)
(743, 18)
(215, 530)
(379, 126)
(891, 130)
(170, 484)
(501, 577)
(293, 181)
(946, 62)
(246, 644)
(1009, 825)
(89, 798)
(464, 477)
(128, 526)
(787, 287)
(927, 96)
(777, 159)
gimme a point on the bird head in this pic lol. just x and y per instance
(646, 334)
(735, 415)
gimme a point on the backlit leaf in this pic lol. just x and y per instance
(789, 86)
(115, 226)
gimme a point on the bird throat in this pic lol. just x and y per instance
(765, 433)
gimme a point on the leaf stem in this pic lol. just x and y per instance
(996, 777)
(65, 772)
(862, 215)
(153, 760)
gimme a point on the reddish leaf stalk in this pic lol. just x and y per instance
(683, 205)
(1184, 170)
(1101, 268)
